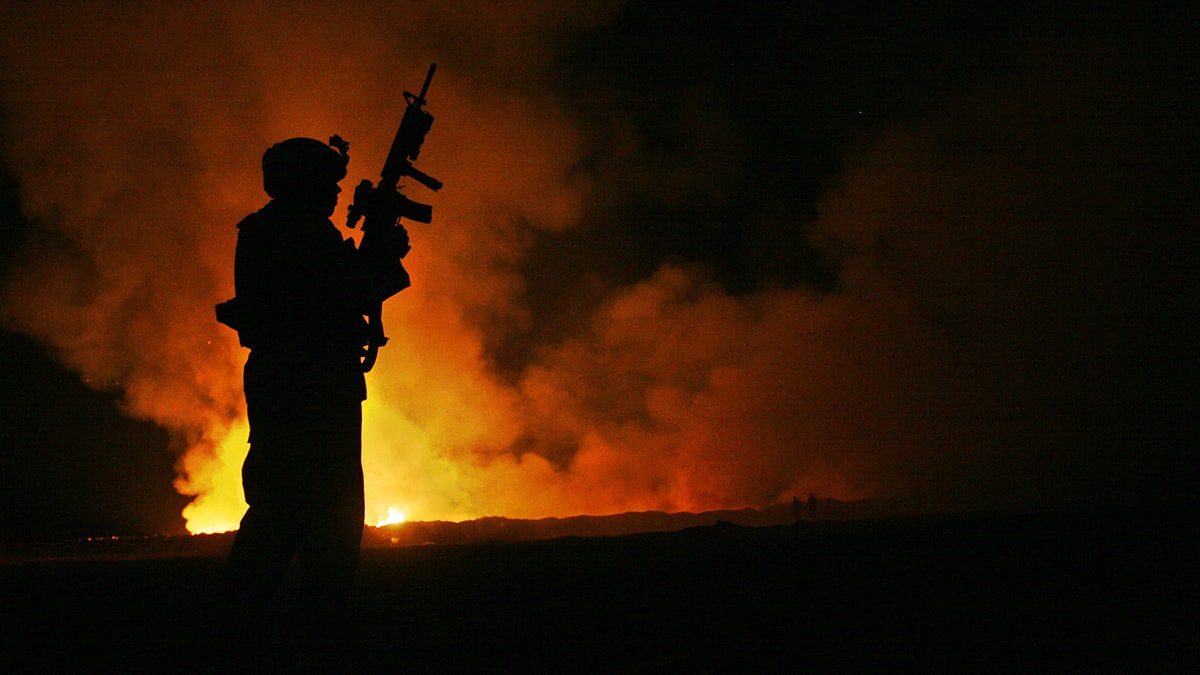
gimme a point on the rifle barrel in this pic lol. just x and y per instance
(425, 87)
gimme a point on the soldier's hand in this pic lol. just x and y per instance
(400, 241)
(385, 243)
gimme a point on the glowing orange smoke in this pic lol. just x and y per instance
(674, 396)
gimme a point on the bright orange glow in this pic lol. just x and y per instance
(672, 396)
(214, 475)
(394, 517)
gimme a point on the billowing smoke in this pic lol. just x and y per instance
(992, 252)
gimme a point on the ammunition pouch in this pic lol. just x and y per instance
(258, 332)
(233, 313)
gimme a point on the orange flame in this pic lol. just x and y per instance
(678, 397)
(394, 516)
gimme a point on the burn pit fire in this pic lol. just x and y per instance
(394, 516)
(942, 363)
(674, 396)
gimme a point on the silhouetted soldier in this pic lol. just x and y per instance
(302, 292)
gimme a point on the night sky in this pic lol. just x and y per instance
(710, 255)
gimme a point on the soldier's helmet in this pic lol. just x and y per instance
(298, 165)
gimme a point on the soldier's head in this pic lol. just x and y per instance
(304, 171)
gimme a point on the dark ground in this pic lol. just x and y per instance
(971, 593)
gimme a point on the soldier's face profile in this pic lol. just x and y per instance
(329, 198)
(320, 197)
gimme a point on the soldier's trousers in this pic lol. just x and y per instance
(303, 482)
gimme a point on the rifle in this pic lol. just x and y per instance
(381, 206)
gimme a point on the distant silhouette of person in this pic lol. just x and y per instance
(812, 506)
(301, 293)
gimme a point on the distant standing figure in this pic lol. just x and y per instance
(812, 507)
(301, 293)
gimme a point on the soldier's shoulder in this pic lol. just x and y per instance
(265, 221)
(263, 217)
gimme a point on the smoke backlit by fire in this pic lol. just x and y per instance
(137, 151)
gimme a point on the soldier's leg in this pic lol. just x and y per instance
(329, 555)
(330, 551)
(262, 550)
(270, 532)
